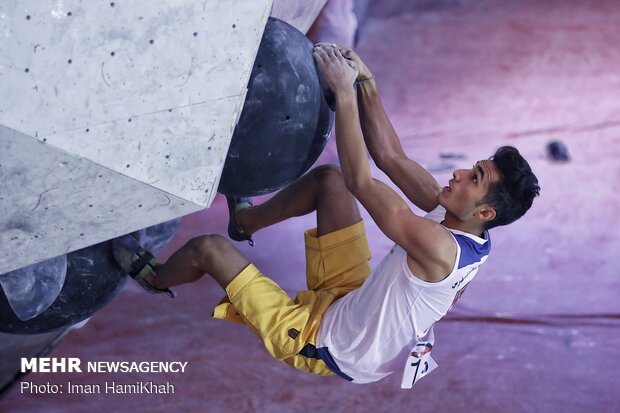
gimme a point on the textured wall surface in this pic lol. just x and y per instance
(133, 105)
(300, 14)
(53, 202)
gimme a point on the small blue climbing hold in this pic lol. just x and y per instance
(557, 151)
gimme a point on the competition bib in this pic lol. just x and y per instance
(419, 363)
(416, 368)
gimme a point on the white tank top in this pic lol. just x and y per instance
(370, 331)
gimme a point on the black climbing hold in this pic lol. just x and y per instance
(286, 118)
(557, 151)
(92, 280)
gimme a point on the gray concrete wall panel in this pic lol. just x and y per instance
(52, 203)
(300, 14)
(133, 104)
(79, 75)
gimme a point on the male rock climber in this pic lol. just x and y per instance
(352, 321)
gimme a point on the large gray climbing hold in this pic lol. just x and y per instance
(93, 279)
(66, 290)
(32, 289)
(156, 237)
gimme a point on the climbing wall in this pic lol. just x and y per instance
(114, 115)
(299, 14)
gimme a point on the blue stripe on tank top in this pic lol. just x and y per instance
(323, 353)
(471, 251)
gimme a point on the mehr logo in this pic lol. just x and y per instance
(51, 365)
(72, 365)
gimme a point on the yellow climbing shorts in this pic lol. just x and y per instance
(336, 263)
